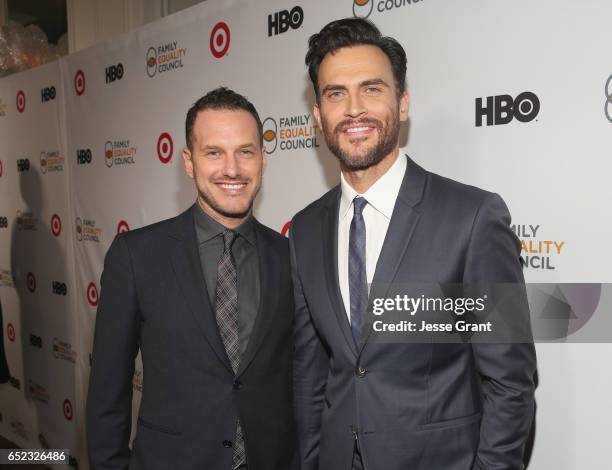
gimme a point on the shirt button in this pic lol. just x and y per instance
(237, 385)
(360, 372)
(227, 444)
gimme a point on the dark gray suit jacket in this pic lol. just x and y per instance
(154, 298)
(416, 406)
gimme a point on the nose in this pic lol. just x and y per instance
(355, 106)
(230, 165)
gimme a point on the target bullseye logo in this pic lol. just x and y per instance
(56, 225)
(123, 226)
(92, 294)
(21, 101)
(31, 282)
(79, 82)
(10, 332)
(68, 413)
(165, 147)
(220, 40)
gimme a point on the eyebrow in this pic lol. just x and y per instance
(333, 88)
(210, 147)
(216, 147)
(369, 82)
(374, 81)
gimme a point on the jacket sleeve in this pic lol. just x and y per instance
(310, 370)
(109, 399)
(506, 369)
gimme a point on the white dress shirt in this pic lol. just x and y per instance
(381, 197)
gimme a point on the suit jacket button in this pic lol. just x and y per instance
(360, 371)
(237, 385)
(227, 444)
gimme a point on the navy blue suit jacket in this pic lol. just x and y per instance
(412, 406)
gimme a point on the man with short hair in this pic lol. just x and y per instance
(206, 296)
(377, 405)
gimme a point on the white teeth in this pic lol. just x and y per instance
(357, 129)
(232, 186)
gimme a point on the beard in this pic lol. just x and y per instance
(388, 136)
(232, 211)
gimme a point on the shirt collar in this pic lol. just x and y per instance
(381, 195)
(207, 227)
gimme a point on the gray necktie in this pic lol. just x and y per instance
(226, 307)
(358, 284)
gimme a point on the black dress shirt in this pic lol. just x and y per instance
(244, 251)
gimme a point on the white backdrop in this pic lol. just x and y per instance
(111, 141)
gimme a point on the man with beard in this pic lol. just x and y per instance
(206, 297)
(376, 405)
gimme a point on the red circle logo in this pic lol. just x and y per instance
(92, 294)
(10, 332)
(21, 101)
(285, 229)
(79, 82)
(165, 147)
(67, 409)
(123, 226)
(220, 39)
(31, 282)
(56, 225)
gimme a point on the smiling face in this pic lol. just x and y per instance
(226, 162)
(359, 111)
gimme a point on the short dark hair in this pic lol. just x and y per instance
(349, 32)
(220, 98)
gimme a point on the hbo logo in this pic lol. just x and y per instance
(114, 72)
(47, 94)
(281, 21)
(36, 341)
(502, 109)
(23, 164)
(59, 288)
(83, 156)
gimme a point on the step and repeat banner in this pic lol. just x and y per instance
(513, 98)
(38, 405)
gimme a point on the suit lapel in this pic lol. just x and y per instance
(329, 237)
(269, 278)
(188, 271)
(403, 221)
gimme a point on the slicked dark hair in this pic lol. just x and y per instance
(349, 32)
(220, 98)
